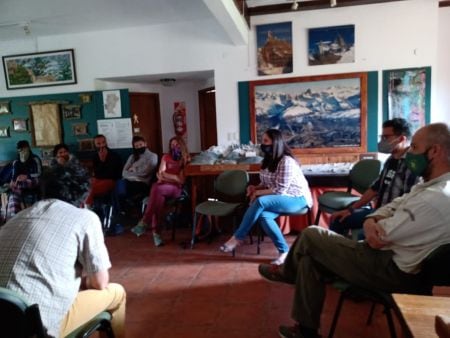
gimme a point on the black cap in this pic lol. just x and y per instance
(23, 144)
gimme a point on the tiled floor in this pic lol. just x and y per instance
(183, 293)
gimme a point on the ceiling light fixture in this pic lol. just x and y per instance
(294, 6)
(168, 82)
(333, 3)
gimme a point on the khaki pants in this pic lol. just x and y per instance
(90, 303)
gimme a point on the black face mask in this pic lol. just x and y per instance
(139, 151)
(267, 149)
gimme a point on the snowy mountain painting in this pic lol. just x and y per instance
(317, 114)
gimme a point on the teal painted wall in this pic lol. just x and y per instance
(372, 111)
(90, 113)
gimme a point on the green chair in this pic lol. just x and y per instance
(229, 195)
(361, 176)
(20, 320)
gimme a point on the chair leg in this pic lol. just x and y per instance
(316, 221)
(390, 322)
(372, 310)
(309, 217)
(336, 315)
(194, 226)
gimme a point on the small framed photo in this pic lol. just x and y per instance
(71, 112)
(20, 125)
(79, 129)
(4, 107)
(4, 131)
(86, 144)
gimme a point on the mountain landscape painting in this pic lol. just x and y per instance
(313, 114)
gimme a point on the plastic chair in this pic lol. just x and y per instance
(20, 320)
(434, 272)
(230, 194)
(361, 177)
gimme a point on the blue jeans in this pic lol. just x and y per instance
(264, 210)
(353, 221)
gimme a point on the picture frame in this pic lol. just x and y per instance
(331, 45)
(71, 111)
(45, 124)
(79, 129)
(4, 131)
(52, 68)
(274, 48)
(86, 144)
(407, 94)
(316, 114)
(20, 125)
(112, 104)
(5, 107)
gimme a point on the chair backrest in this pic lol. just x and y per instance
(231, 185)
(18, 319)
(363, 174)
(435, 268)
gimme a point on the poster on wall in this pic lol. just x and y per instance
(274, 48)
(117, 132)
(111, 104)
(330, 45)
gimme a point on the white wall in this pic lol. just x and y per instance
(442, 104)
(390, 35)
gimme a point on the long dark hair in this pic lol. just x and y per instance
(280, 149)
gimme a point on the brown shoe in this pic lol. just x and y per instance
(442, 326)
(273, 273)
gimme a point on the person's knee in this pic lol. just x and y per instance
(310, 236)
(118, 291)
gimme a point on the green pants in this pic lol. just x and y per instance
(318, 254)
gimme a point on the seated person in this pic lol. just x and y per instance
(137, 172)
(169, 185)
(283, 189)
(62, 156)
(26, 171)
(395, 178)
(107, 166)
(53, 248)
(399, 236)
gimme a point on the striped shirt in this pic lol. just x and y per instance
(287, 179)
(43, 251)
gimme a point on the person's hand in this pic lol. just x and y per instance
(102, 152)
(340, 215)
(250, 190)
(375, 234)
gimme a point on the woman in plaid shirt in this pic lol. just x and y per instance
(283, 189)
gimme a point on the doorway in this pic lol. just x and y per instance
(146, 119)
(207, 116)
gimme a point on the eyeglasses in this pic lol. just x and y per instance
(386, 137)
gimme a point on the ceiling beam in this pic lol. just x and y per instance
(311, 5)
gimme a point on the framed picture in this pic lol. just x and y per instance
(329, 45)
(111, 104)
(20, 125)
(45, 124)
(274, 48)
(4, 107)
(71, 112)
(4, 131)
(316, 114)
(52, 68)
(79, 129)
(406, 94)
(86, 144)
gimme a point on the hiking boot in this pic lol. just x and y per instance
(273, 273)
(139, 229)
(157, 240)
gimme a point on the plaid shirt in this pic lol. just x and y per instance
(287, 179)
(43, 251)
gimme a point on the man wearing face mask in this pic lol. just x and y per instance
(137, 172)
(395, 179)
(399, 236)
(107, 170)
(26, 171)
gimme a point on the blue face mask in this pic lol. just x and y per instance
(267, 149)
(176, 153)
(417, 163)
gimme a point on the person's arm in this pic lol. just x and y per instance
(365, 198)
(126, 167)
(163, 176)
(98, 280)
(145, 170)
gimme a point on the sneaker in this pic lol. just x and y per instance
(289, 331)
(139, 229)
(157, 240)
(272, 273)
(231, 244)
(280, 260)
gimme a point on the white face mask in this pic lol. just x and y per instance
(24, 154)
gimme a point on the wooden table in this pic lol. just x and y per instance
(417, 313)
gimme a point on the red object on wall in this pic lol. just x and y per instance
(179, 119)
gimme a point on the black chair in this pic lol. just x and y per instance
(20, 320)
(435, 272)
